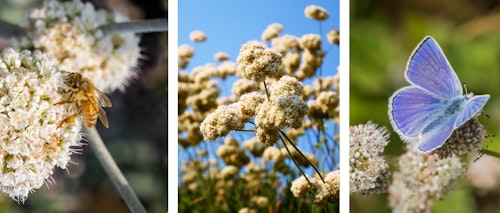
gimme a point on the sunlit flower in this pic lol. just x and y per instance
(221, 56)
(220, 122)
(31, 142)
(333, 36)
(272, 31)
(197, 36)
(256, 61)
(316, 13)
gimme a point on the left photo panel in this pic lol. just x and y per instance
(83, 106)
(258, 106)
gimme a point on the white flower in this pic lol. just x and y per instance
(67, 31)
(30, 141)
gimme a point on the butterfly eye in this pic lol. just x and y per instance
(76, 85)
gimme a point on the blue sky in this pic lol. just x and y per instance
(230, 24)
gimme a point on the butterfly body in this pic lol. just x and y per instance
(428, 111)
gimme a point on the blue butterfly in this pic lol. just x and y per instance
(428, 111)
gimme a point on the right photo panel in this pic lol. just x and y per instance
(424, 112)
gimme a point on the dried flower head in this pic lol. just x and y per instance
(220, 122)
(197, 36)
(312, 42)
(186, 52)
(221, 56)
(286, 86)
(256, 61)
(316, 13)
(68, 32)
(368, 170)
(32, 144)
(272, 31)
(333, 36)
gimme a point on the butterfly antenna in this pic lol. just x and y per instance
(465, 88)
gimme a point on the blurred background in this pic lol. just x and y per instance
(136, 138)
(383, 35)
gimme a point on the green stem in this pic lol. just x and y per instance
(114, 173)
(490, 153)
(140, 26)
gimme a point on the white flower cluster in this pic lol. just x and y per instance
(68, 32)
(31, 143)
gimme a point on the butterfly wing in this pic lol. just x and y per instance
(437, 136)
(411, 110)
(429, 70)
(471, 108)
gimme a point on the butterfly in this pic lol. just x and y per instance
(428, 111)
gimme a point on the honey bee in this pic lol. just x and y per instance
(87, 100)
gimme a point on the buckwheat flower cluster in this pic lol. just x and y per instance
(221, 56)
(260, 201)
(423, 177)
(228, 172)
(467, 139)
(333, 36)
(324, 105)
(220, 122)
(368, 171)
(256, 61)
(185, 53)
(316, 13)
(254, 146)
(324, 192)
(272, 31)
(198, 36)
(68, 31)
(329, 192)
(232, 154)
(285, 108)
(30, 141)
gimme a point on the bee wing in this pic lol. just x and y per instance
(102, 98)
(103, 117)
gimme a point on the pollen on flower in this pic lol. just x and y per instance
(31, 142)
(67, 31)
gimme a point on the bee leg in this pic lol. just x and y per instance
(69, 119)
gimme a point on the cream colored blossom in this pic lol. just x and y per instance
(220, 122)
(31, 142)
(221, 56)
(333, 36)
(256, 62)
(197, 36)
(286, 86)
(316, 13)
(368, 170)
(310, 41)
(185, 51)
(272, 31)
(68, 31)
